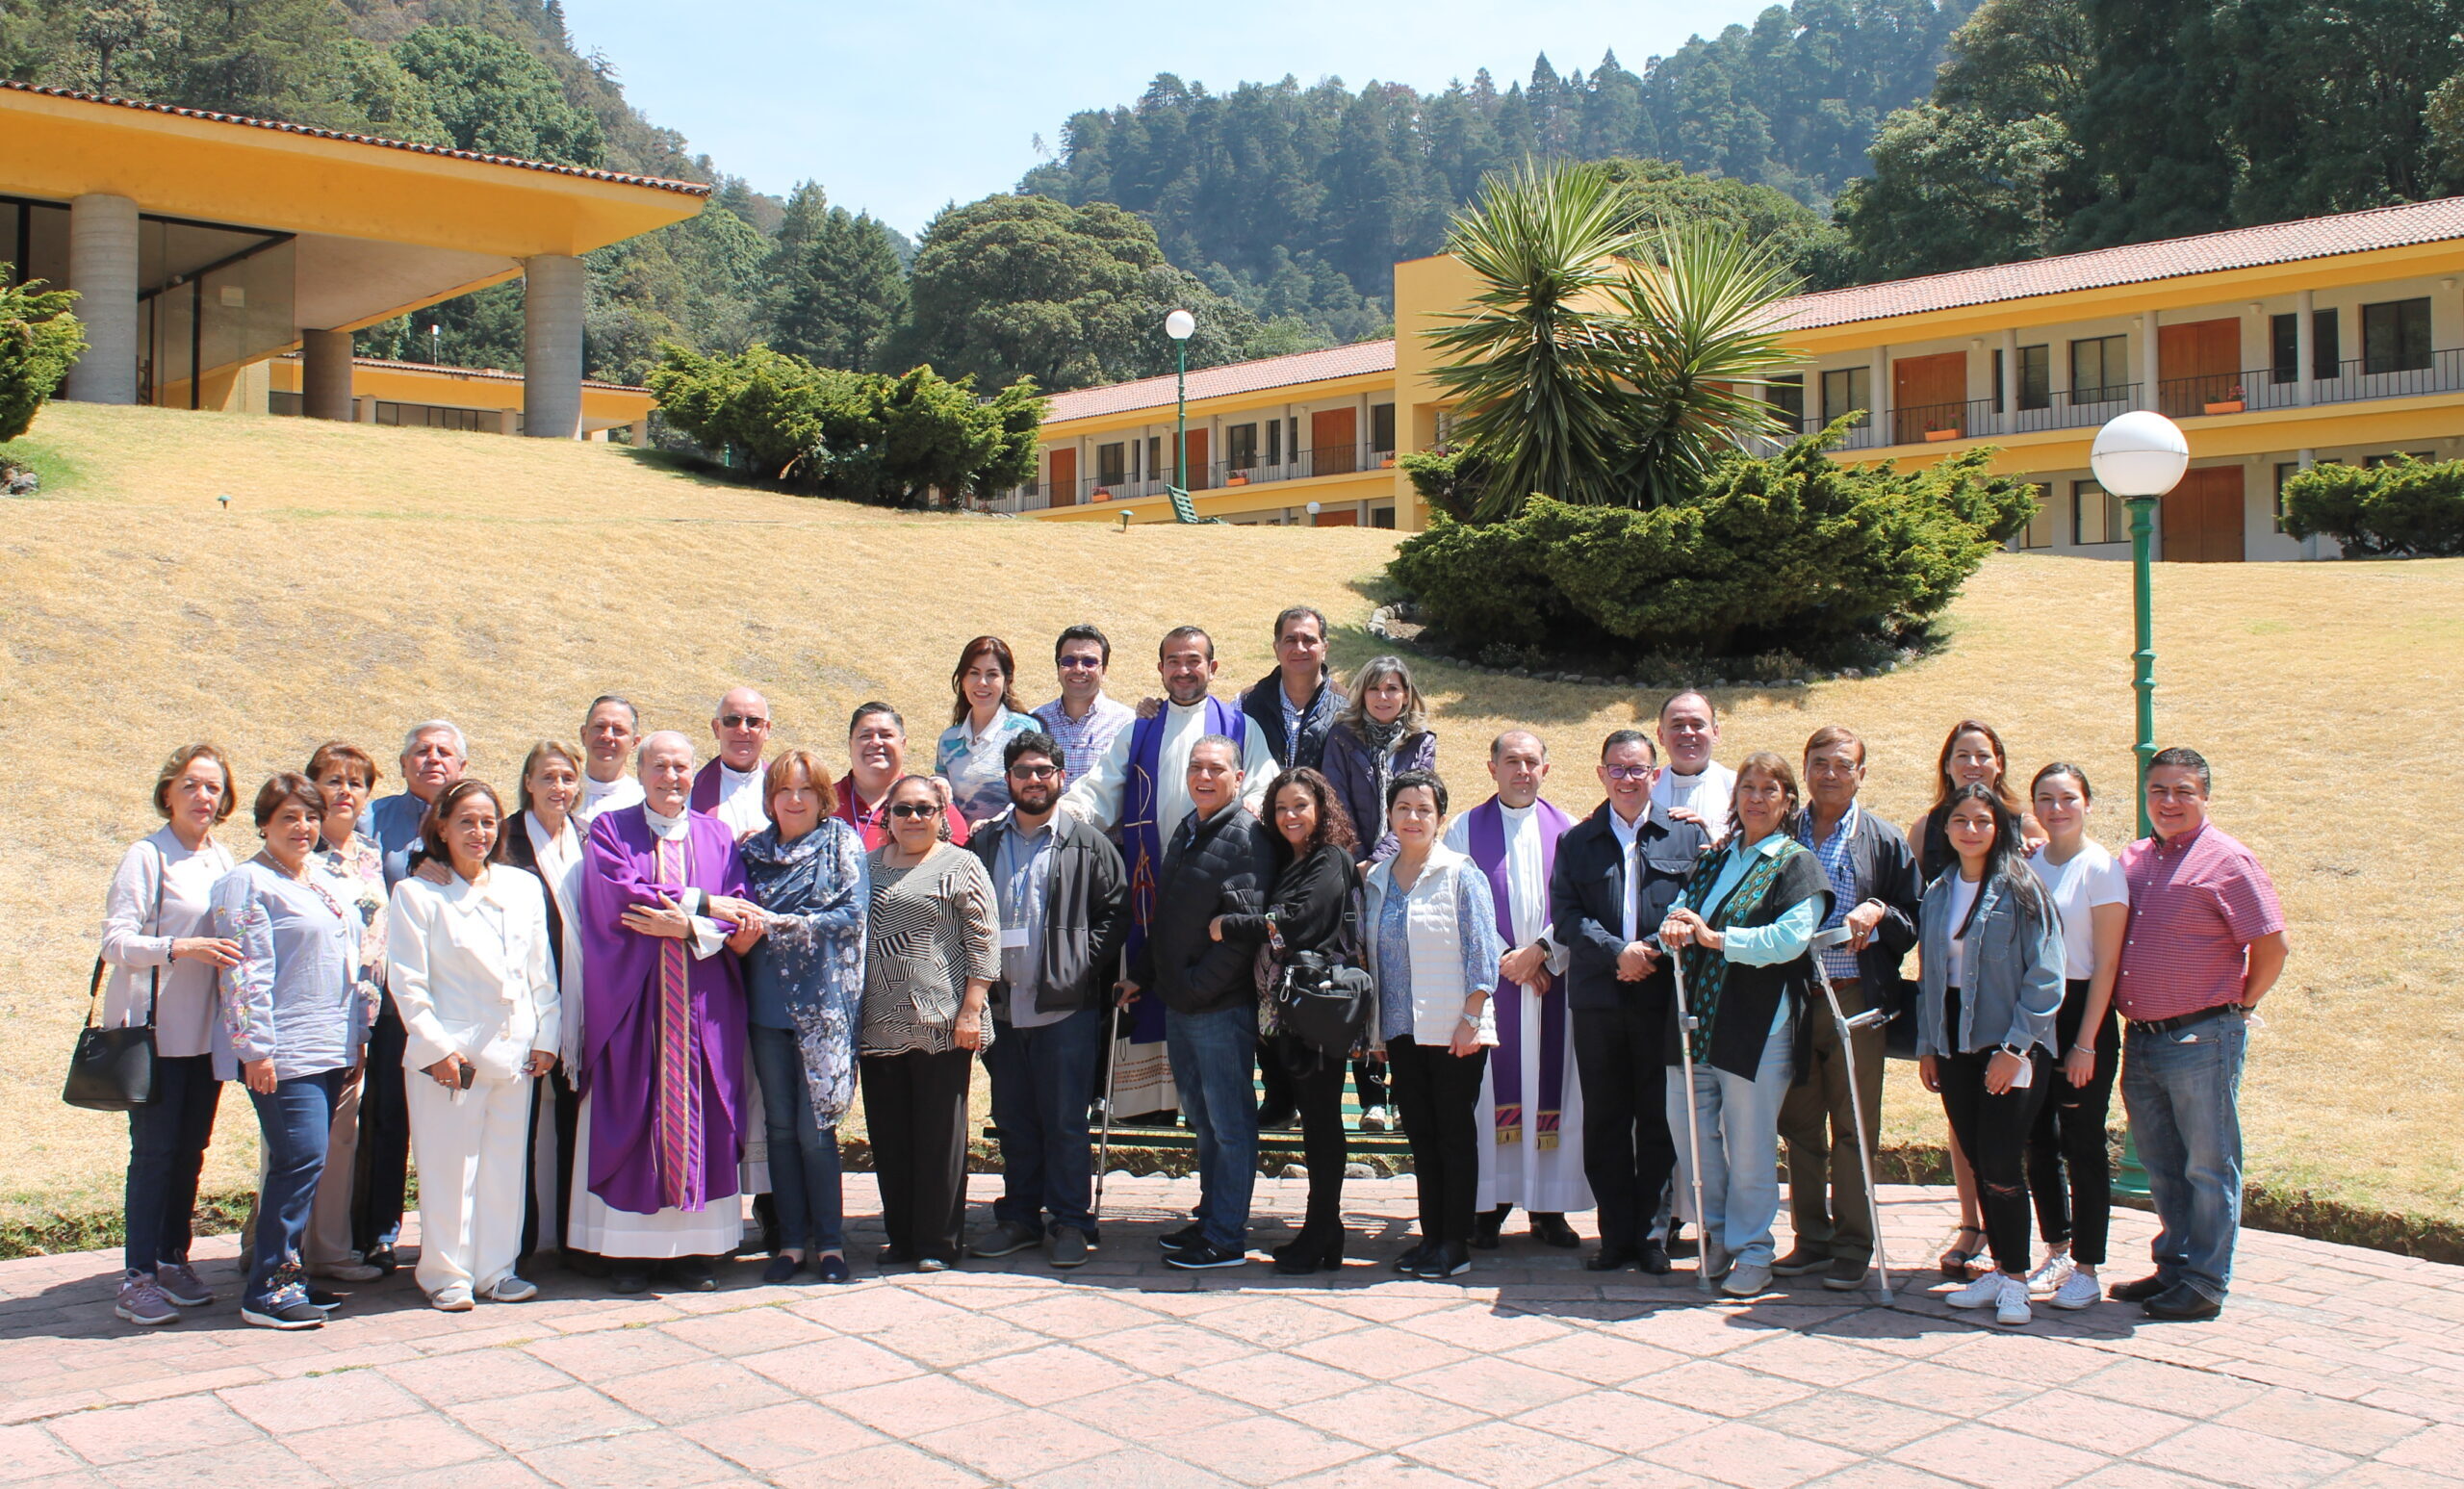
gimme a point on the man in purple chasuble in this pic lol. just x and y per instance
(1530, 1110)
(665, 913)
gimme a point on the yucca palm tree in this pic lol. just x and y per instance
(1602, 361)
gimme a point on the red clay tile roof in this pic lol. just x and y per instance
(1215, 382)
(279, 126)
(2207, 253)
(473, 374)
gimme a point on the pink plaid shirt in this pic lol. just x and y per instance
(2195, 906)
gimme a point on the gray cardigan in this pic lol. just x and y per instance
(2011, 968)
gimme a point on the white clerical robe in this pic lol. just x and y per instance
(740, 805)
(598, 796)
(1538, 1180)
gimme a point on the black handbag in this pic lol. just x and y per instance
(1323, 998)
(112, 1069)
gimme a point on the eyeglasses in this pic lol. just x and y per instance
(1075, 663)
(1034, 772)
(742, 720)
(1629, 772)
(913, 809)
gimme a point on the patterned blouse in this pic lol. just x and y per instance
(806, 973)
(356, 874)
(971, 763)
(930, 927)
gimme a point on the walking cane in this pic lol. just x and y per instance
(1870, 1018)
(1104, 1144)
(1686, 1024)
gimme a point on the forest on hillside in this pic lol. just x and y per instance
(1865, 139)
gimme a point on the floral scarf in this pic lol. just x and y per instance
(813, 892)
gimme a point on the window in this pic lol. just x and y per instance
(2096, 515)
(1848, 390)
(1381, 428)
(2395, 336)
(2036, 377)
(2285, 471)
(1786, 397)
(2284, 348)
(2040, 529)
(2421, 456)
(1240, 446)
(1381, 517)
(1274, 442)
(1111, 470)
(2326, 346)
(2100, 370)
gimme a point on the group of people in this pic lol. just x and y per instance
(599, 1013)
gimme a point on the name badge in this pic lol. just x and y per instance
(1014, 937)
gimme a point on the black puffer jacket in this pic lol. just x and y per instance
(1220, 866)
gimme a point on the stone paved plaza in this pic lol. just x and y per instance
(2332, 1366)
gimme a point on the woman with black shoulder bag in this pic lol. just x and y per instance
(159, 941)
(1308, 934)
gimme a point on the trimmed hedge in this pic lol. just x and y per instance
(2405, 509)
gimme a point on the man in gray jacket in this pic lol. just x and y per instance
(1065, 911)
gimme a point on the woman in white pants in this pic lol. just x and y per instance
(470, 973)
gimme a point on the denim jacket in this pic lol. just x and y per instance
(2011, 970)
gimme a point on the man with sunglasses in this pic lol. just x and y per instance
(729, 786)
(1084, 719)
(1063, 903)
(1618, 871)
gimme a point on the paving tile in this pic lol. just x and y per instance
(886, 1466)
(613, 1352)
(770, 1438)
(1859, 1424)
(1383, 1416)
(753, 1331)
(1261, 1449)
(924, 1403)
(2339, 1427)
(2161, 1387)
(1382, 1471)
(1882, 1475)
(1075, 1315)
(124, 1434)
(1623, 1422)
(2438, 1446)
(1737, 1453)
(945, 1341)
(2022, 1357)
(1383, 1354)
(544, 1419)
(1930, 1386)
(1150, 1411)
(639, 1460)
(1020, 1444)
(2390, 1475)
(391, 1446)
(489, 1374)
(1719, 1388)
(287, 1406)
(1503, 1455)
(692, 1391)
(1478, 1327)
(258, 1464)
(1279, 1323)
(1810, 1359)
(28, 1453)
(2087, 1422)
(1167, 1346)
(1996, 1459)
(500, 1472)
(2253, 1460)
(1134, 1468)
(1053, 1373)
(828, 1365)
(1271, 1380)
(1495, 1385)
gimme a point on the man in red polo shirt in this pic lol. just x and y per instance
(2206, 941)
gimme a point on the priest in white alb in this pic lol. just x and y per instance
(1530, 1105)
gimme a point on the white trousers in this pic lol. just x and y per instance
(469, 1147)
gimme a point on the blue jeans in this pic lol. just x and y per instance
(294, 1123)
(1212, 1056)
(166, 1141)
(1740, 1124)
(1040, 1077)
(804, 1189)
(2183, 1093)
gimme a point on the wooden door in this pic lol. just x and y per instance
(2197, 364)
(1334, 441)
(1348, 516)
(1928, 396)
(1197, 462)
(2203, 517)
(1063, 488)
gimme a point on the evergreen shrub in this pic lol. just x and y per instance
(2405, 509)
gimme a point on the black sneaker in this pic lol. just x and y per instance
(1408, 1265)
(1652, 1258)
(284, 1311)
(1005, 1238)
(1202, 1256)
(1441, 1262)
(2138, 1291)
(1185, 1238)
(383, 1259)
(1801, 1262)
(2182, 1303)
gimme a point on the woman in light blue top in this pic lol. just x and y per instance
(983, 716)
(1744, 927)
(292, 1028)
(1434, 952)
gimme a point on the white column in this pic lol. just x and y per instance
(2009, 377)
(102, 268)
(364, 410)
(1878, 376)
(554, 298)
(325, 375)
(2306, 344)
(2148, 368)
(640, 431)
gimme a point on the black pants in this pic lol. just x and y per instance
(1992, 1131)
(1437, 1093)
(1274, 1082)
(1316, 1086)
(915, 1113)
(167, 1143)
(1627, 1155)
(553, 1104)
(1369, 1081)
(2068, 1141)
(382, 1167)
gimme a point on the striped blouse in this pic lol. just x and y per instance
(929, 929)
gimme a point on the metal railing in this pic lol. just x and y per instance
(1211, 476)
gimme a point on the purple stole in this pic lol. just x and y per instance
(1487, 832)
(1144, 839)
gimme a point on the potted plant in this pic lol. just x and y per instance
(2231, 404)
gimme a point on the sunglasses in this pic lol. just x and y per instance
(913, 809)
(742, 720)
(1076, 663)
(1034, 772)
(1627, 772)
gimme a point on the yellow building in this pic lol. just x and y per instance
(2276, 348)
(204, 245)
(481, 399)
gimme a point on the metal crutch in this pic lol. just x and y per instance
(1870, 1018)
(1686, 1024)
(1104, 1144)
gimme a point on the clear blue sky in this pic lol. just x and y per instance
(898, 108)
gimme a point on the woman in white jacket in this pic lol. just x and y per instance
(1434, 950)
(472, 973)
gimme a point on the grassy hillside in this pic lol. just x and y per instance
(365, 578)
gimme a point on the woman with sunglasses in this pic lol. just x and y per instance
(1991, 985)
(931, 955)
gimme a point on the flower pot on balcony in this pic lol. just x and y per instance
(1934, 436)
(1101, 494)
(2224, 406)
(1236, 478)
(1388, 463)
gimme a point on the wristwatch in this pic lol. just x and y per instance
(2015, 1052)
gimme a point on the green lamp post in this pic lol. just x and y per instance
(2138, 457)
(1180, 326)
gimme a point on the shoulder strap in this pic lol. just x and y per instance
(154, 994)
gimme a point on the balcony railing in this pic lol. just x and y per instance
(1300, 464)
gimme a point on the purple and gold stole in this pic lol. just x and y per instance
(677, 1124)
(1487, 832)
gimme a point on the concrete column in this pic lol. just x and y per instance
(1879, 395)
(2305, 349)
(554, 296)
(508, 421)
(325, 375)
(640, 432)
(2148, 368)
(102, 268)
(363, 410)
(2009, 344)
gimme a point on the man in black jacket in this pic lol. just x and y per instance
(1219, 862)
(1874, 894)
(1618, 872)
(1063, 900)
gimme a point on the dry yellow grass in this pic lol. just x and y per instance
(365, 578)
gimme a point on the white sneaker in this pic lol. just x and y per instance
(1375, 1120)
(2011, 1308)
(1982, 1293)
(453, 1299)
(2078, 1290)
(2050, 1275)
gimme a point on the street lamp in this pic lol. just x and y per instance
(2138, 457)
(1180, 326)
(1313, 514)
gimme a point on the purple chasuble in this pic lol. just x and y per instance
(706, 787)
(662, 1056)
(1487, 832)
